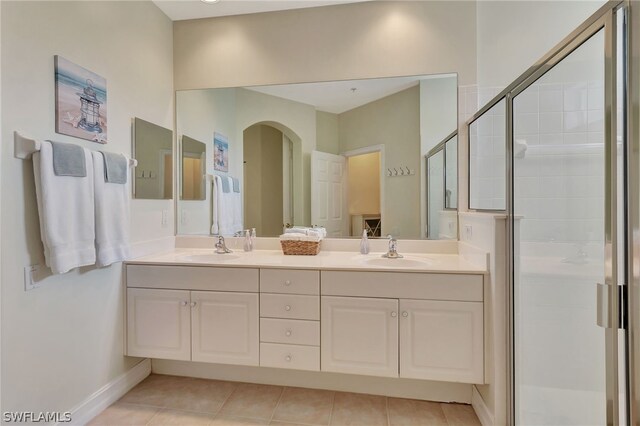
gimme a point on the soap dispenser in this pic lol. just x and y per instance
(253, 238)
(248, 246)
(364, 243)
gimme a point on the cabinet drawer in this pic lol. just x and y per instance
(289, 306)
(404, 285)
(290, 356)
(289, 281)
(295, 332)
(193, 278)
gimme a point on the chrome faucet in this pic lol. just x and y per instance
(221, 247)
(393, 249)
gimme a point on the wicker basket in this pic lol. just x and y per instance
(305, 248)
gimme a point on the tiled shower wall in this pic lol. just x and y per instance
(559, 184)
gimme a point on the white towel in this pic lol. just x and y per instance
(226, 209)
(216, 202)
(65, 207)
(236, 209)
(112, 216)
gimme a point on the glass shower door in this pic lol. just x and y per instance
(563, 233)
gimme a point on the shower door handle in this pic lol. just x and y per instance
(604, 296)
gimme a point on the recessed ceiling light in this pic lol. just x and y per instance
(210, 1)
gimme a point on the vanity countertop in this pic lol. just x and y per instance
(326, 260)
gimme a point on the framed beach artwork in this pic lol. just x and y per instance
(81, 102)
(220, 153)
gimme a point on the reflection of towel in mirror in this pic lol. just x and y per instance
(236, 203)
(226, 208)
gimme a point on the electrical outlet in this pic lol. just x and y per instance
(30, 277)
(183, 217)
(468, 231)
(165, 218)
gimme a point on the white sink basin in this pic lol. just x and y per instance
(213, 257)
(401, 262)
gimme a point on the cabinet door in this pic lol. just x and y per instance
(360, 335)
(225, 327)
(441, 340)
(158, 323)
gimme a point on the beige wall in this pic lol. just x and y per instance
(64, 341)
(271, 182)
(371, 39)
(364, 184)
(263, 180)
(327, 138)
(393, 121)
(252, 177)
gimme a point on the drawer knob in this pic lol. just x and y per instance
(287, 282)
(394, 314)
(405, 314)
(287, 308)
(287, 358)
(287, 333)
(184, 303)
(193, 304)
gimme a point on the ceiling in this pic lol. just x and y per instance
(337, 96)
(178, 10)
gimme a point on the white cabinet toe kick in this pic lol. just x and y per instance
(418, 325)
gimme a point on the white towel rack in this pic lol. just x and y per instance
(24, 147)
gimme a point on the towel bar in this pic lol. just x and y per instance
(24, 147)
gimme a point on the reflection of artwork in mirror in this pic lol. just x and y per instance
(194, 154)
(442, 192)
(220, 153)
(153, 148)
(300, 152)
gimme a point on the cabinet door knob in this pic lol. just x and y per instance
(193, 304)
(287, 358)
(405, 314)
(184, 303)
(287, 308)
(287, 333)
(287, 282)
(394, 314)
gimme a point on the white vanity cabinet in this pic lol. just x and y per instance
(224, 327)
(417, 325)
(441, 340)
(192, 313)
(360, 335)
(290, 319)
(437, 334)
(159, 323)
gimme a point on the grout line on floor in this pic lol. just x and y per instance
(273, 413)
(386, 406)
(333, 404)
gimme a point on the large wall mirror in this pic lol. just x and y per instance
(153, 148)
(442, 189)
(345, 155)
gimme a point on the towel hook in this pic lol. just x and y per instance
(408, 170)
(396, 170)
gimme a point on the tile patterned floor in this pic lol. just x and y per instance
(170, 400)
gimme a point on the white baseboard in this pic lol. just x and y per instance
(481, 409)
(108, 394)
